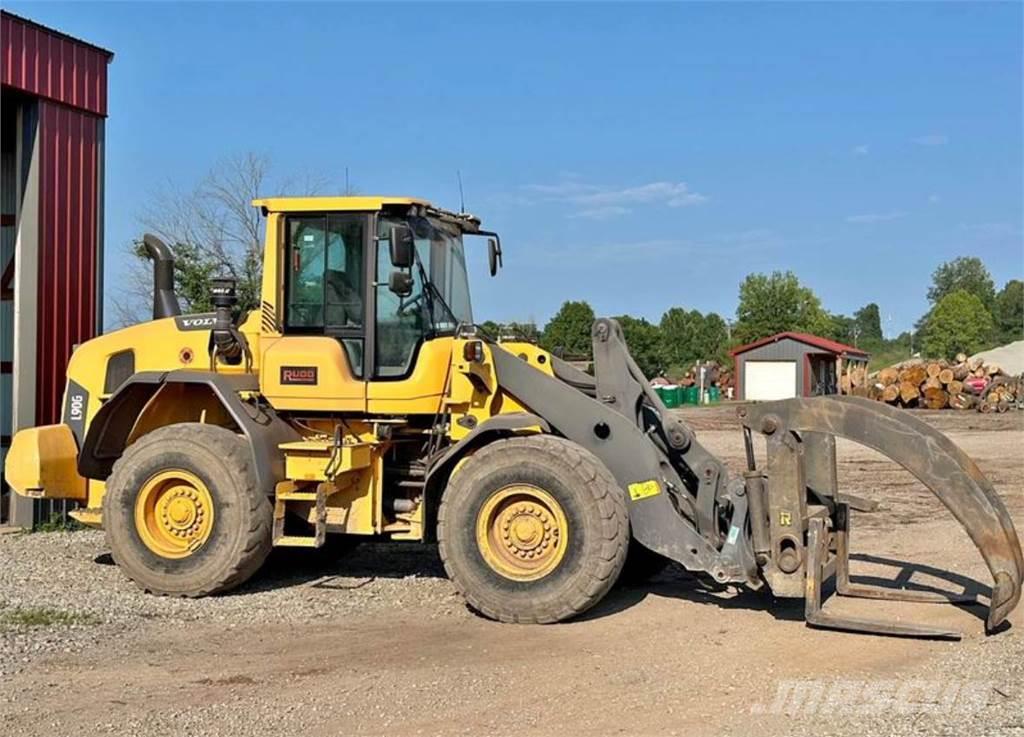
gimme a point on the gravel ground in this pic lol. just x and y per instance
(378, 641)
(71, 573)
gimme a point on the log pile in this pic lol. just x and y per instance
(961, 384)
(715, 374)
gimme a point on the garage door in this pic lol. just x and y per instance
(766, 380)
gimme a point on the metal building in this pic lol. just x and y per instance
(53, 102)
(788, 365)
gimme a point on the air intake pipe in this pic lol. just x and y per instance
(165, 302)
(228, 344)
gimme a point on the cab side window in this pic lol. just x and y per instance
(325, 286)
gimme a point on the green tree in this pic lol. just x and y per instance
(1009, 311)
(842, 328)
(776, 303)
(492, 328)
(868, 323)
(959, 323)
(644, 342)
(713, 344)
(967, 273)
(527, 331)
(569, 330)
(679, 330)
(687, 336)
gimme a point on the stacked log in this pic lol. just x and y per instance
(966, 383)
(715, 374)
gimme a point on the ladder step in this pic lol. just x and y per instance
(281, 501)
(295, 541)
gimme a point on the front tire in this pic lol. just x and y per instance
(533, 530)
(183, 513)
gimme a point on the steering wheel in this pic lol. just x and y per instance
(404, 307)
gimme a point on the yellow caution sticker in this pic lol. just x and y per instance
(644, 489)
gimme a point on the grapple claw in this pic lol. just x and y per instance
(806, 517)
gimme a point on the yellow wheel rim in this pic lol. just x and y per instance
(174, 513)
(522, 532)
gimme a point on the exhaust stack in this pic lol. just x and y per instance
(165, 302)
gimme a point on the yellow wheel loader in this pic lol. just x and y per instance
(360, 399)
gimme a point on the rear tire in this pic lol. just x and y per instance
(170, 466)
(505, 501)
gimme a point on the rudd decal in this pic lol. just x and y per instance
(305, 375)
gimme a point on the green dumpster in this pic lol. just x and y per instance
(670, 395)
(691, 395)
(714, 394)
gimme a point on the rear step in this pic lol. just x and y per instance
(281, 501)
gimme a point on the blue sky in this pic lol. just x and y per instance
(638, 157)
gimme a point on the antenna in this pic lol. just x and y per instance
(462, 196)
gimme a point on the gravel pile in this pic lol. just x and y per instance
(73, 595)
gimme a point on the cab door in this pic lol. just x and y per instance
(411, 360)
(319, 362)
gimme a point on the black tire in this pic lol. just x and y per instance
(241, 535)
(642, 564)
(595, 511)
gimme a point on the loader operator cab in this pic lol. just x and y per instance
(376, 277)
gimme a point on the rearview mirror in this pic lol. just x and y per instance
(402, 247)
(494, 255)
(400, 283)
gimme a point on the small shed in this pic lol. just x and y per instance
(790, 364)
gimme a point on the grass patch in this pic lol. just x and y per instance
(58, 523)
(43, 617)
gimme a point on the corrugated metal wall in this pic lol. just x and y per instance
(53, 66)
(63, 81)
(68, 201)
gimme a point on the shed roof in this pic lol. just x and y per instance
(829, 346)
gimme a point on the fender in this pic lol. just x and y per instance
(109, 430)
(444, 463)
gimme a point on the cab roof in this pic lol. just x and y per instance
(364, 203)
(333, 204)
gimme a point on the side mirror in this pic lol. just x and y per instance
(494, 255)
(400, 282)
(402, 247)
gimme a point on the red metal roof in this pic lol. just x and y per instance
(829, 346)
(50, 64)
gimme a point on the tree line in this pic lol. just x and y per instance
(966, 315)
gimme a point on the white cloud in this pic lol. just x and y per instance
(601, 201)
(932, 139)
(861, 150)
(602, 213)
(875, 217)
